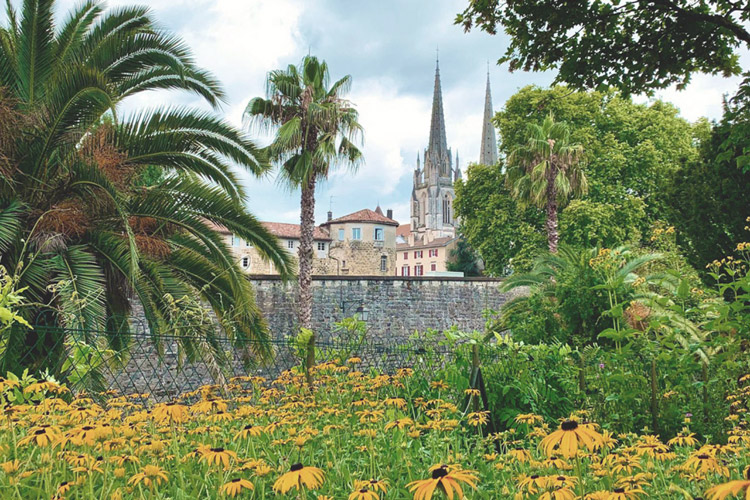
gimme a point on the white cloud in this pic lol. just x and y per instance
(391, 59)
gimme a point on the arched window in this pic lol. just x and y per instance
(447, 217)
(246, 262)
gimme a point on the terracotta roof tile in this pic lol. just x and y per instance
(280, 230)
(436, 243)
(292, 231)
(403, 230)
(365, 215)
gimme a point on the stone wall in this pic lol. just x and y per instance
(397, 306)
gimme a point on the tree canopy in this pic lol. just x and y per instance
(632, 153)
(635, 45)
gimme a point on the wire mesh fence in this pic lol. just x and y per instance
(164, 367)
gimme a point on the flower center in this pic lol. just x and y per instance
(569, 425)
(217, 450)
(440, 473)
(297, 467)
(703, 457)
(249, 426)
(619, 490)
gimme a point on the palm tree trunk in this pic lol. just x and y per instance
(551, 224)
(307, 226)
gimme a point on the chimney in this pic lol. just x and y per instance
(330, 216)
(389, 214)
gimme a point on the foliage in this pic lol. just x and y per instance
(463, 258)
(595, 45)
(588, 223)
(504, 234)
(78, 225)
(545, 170)
(632, 153)
(575, 289)
(370, 432)
(10, 300)
(708, 198)
(315, 129)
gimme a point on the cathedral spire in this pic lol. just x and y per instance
(438, 145)
(488, 151)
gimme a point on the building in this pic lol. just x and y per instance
(432, 194)
(424, 246)
(362, 244)
(251, 261)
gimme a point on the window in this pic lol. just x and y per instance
(378, 234)
(404, 270)
(321, 245)
(447, 219)
(383, 263)
(343, 264)
(418, 254)
(418, 270)
(433, 267)
(245, 262)
(235, 240)
(433, 253)
(248, 244)
(290, 244)
(341, 235)
(356, 233)
(406, 255)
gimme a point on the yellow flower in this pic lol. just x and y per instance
(40, 436)
(625, 494)
(569, 438)
(150, 475)
(528, 418)
(218, 456)
(235, 487)
(364, 494)
(444, 479)
(478, 418)
(297, 477)
(373, 485)
(248, 431)
(170, 413)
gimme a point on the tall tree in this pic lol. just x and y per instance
(316, 129)
(635, 45)
(545, 171)
(709, 197)
(75, 226)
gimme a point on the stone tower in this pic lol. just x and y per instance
(488, 151)
(432, 196)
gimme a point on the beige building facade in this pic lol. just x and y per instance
(359, 244)
(362, 244)
(420, 256)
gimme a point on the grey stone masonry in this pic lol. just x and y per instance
(397, 306)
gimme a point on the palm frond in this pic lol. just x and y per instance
(36, 49)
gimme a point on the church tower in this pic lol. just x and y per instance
(433, 195)
(488, 151)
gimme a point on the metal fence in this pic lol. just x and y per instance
(161, 368)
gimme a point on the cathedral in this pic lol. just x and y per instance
(432, 195)
(433, 226)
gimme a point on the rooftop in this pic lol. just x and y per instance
(281, 230)
(436, 243)
(366, 216)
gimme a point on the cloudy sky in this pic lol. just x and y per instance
(388, 46)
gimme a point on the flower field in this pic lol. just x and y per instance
(357, 436)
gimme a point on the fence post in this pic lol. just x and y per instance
(475, 372)
(310, 360)
(654, 404)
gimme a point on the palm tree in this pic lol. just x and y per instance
(315, 130)
(546, 171)
(78, 227)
